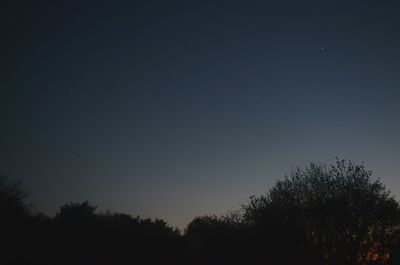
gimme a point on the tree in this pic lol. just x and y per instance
(215, 240)
(12, 199)
(342, 210)
(14, 220)
(76, 211)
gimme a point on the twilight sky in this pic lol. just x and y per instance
(173, 109)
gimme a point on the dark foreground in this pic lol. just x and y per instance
(333, 215)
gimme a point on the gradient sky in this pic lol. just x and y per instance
(173, 109)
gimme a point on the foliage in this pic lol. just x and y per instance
(12, 199)
(215, 240)
(331, 215)
(340, 208)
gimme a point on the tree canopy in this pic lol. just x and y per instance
(341, 209)
(12, 199)
(317, 215)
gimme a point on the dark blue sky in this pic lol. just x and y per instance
(173, 109)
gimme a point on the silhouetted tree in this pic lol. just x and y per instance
(76, 212)
(12, 199)
(338, 210)
(330, 215)
(86, 237)
(14, 218)
(215, 240)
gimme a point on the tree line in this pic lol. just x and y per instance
(320, 214)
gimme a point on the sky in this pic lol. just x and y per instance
(174, 109)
